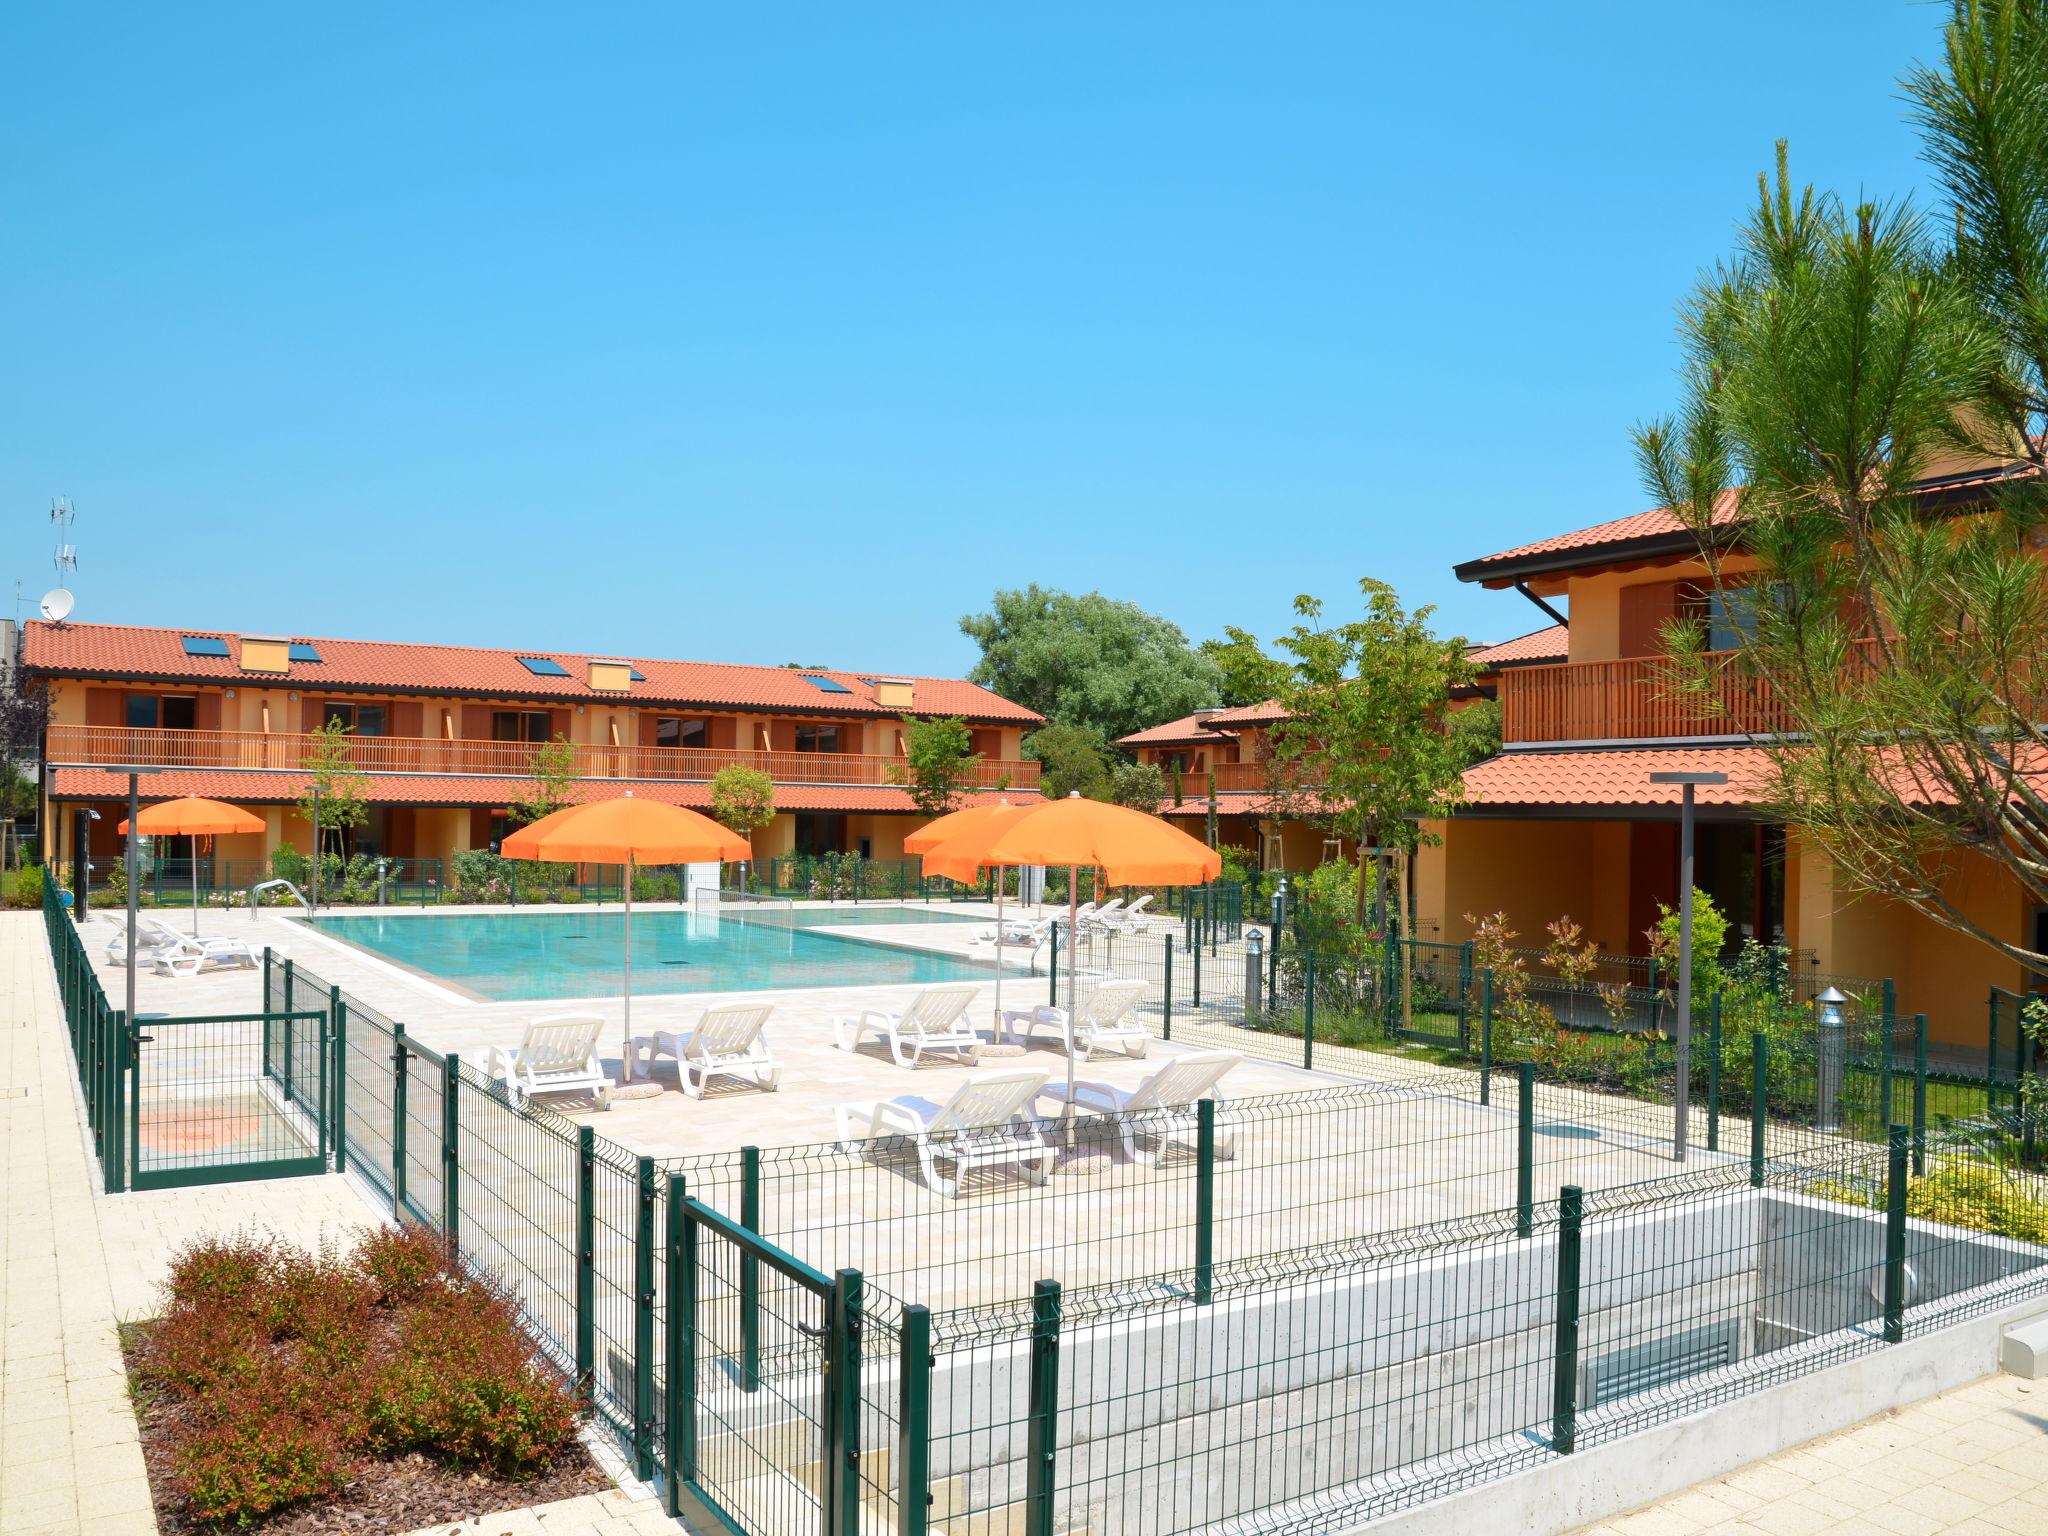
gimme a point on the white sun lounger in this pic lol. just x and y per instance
(983, 1125)
(1017, 933)
(936, 1020)
(729, 1041)
(558, 1055)
(1107, 1016)
(1162, 1108)
(1134, 919)
(171, 953)
(1103, 917)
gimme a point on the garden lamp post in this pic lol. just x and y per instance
(135, 773)
(1682, 1055)
(1832, 1014)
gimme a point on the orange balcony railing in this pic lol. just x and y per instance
(84, 745)
(1629, 700)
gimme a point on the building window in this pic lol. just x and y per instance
(362, 719)
(817, 738)
(519, 725)
(180, 712)
(671, 731)
(142, 711)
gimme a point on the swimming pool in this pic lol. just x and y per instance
(516, 956)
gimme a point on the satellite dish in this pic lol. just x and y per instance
(57, 605)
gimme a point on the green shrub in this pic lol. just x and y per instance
(28, 886)
(267, 1442)
(404, 1263)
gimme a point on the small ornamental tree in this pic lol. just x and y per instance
(338, 788)
(1069, 757)
(939, 763)
(555, 775)
(742, 799)
(1363, 750)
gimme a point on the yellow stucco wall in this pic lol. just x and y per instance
(1534, 872)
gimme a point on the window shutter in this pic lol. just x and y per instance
(1645, 610)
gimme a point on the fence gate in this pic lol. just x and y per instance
(762, 1411)
(208, 1103)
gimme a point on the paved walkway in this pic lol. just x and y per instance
(1973, 1460)
(75, 1263)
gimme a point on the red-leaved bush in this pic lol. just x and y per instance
(292, 1367)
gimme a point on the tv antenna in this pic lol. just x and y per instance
(58, 602)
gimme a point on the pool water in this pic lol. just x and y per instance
(514, 956)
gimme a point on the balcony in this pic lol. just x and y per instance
(84, 745)
(1627, 701)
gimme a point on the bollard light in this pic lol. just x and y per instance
(1831, 1014)
(1254, 972)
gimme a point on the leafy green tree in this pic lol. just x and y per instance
(1363, 750)
(1141, 786)
(338, 786)
(1475, 730)
(1090, 661)
(742, 798)
(1250, 676)
(1069, 758)
(1840, 358)
(555, 775)
(939, 763)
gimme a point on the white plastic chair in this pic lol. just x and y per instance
(936, 1020)
(1104, 918)
(1017, 933)
(1106, 1016)
(1162, 1107)
(983, 1125)
(558, 1055)
(729, 1041)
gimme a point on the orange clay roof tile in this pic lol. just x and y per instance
(135, 651)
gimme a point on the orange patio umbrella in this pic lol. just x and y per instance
(1129, 847)
(974, 822)
(195, 817)
(629, 832)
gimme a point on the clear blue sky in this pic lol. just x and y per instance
(789, 332)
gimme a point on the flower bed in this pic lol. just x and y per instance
(366, 1389)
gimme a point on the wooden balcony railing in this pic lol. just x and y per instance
(1628, 700)
(83, 745)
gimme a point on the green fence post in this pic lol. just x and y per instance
(337, 1010)
(398, 1075)
(1169, 986)
(1486, 1036)
(1714, 1075)
(451, 1162)
(1759, 1073)
(643, 1323)
(1564, 1389)
(1919, 1095)
(1525, 1148)
(120, 1044)
(914, 1421)
(288, 979)
(1308, 1011)
(679, 1380)
(750, 1271)
(1205, 1200)
(1884, 1079)
(841, 1482)
(266, 1010)
(1041, 1433)
(1653, 992)
(1390, 1000)
(1991, 1055)
(1895, 1237)
(586, 1259)
(1198, 974)
(1053, 966)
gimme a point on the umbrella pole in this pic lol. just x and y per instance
(1073, 989)
(627, 1074)
(998, 1035)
